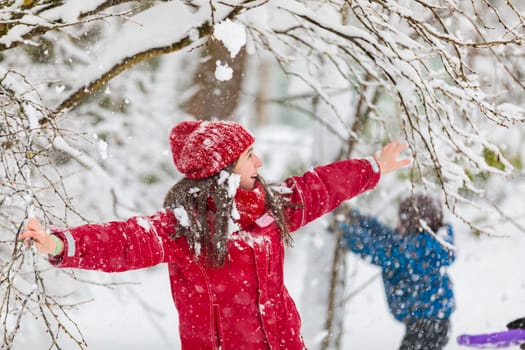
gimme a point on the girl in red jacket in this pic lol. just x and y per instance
(222, 232)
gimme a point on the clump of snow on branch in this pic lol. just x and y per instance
(232, 35)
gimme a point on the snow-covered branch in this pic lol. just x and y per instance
(417, 55)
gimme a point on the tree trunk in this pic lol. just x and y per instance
(216, 99)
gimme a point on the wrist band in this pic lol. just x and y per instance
(58, 245)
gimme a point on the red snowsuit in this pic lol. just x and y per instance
(243, 304)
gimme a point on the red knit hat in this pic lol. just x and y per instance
(202, 148)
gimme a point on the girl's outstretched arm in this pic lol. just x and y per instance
(387, 157)
(138, 242)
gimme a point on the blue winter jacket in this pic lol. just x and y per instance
(413, 266)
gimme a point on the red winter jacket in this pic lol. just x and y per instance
(243, 304)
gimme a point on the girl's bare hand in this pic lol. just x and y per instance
(387, 157)
(44, 243)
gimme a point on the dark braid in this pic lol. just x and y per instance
(193, 197)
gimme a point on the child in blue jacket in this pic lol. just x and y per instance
(413, 262)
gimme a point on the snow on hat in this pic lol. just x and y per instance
(202, 148)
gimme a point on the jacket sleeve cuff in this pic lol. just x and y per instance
(374, 164)
(69, 247)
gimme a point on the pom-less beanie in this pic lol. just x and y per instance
(202, 148)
